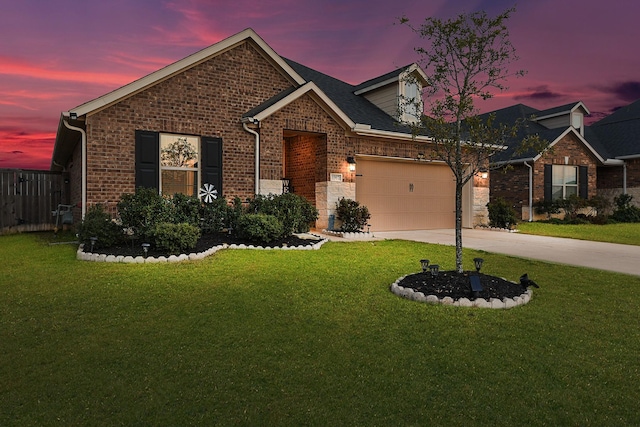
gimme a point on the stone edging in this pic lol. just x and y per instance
(505, 303)
(358, 235)
(88, 256)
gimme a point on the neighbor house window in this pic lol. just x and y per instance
(564, 181)
(179, 157)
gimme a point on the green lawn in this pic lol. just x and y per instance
(307, 338)
(628, 234)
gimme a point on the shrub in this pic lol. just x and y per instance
(501, 214)
(143, 210)
(625, 211)
(214, 215)
(186, 209)
(97, 223)
(293, 211)
(353, 216)
(571, 205)
(260, 228)
(175, 238)
(234, 212)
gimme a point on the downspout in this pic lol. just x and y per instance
(624, 177)
(257, 153)
(530, 191)
(84, 164)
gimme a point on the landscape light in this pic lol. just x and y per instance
(425, 265)
(93, 242)
(145, 248)
(478, 263)
(435, 269)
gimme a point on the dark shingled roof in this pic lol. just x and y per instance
(357, 108)
(620, 131)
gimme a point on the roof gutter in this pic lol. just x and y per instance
(530, 190)
(83, 135)
(256, 135)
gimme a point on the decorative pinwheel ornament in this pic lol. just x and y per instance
(208, 193)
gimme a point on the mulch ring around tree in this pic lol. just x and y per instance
(206, 242)
(453, 288)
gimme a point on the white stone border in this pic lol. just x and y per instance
(357, 235)
(505, 303)
(89, 256)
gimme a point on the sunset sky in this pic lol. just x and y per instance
(57, 54)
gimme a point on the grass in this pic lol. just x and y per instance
(307, 338)
(628, 233)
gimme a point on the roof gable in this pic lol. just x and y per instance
(190, 61)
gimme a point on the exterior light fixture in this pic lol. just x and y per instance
(73, 116)
(484, 175)
(478, 263)
(145, 248)
(435, 269)
(425, 265)
(352, 163)
(93, 242)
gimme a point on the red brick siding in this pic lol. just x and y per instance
(613, 177)
(207, 100)
(513, 185)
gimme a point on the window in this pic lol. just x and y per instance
(179, 155)
(173, 163)
(564, 181)
(411, 102)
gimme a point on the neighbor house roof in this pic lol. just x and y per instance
(529, 117)
(620, 131)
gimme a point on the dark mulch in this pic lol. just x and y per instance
(457, 285)
(205, 242)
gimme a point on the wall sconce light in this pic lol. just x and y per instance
(73, 116)
(352, 163)
(421, 156)
(484, 175)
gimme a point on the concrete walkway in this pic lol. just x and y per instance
(602, 256)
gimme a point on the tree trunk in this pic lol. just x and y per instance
(458, 226)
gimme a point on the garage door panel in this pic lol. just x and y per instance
(406, 196)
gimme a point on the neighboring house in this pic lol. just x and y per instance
(240, 117)
(601, 159)
(619, 135)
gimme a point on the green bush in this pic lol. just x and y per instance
(175, 238)
(234, 212)
(186, 209)
(142, 211)
(624, 210)
(571, 205)
(98, 223)
(353, 216)
(214, 215)
(501, 214)
(547, 207)
(259, 228)
(293, 211)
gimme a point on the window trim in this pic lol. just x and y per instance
(197, 169)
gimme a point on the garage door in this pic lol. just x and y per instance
(406, 195)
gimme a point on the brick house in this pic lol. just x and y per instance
(601, 159)
(238, 116)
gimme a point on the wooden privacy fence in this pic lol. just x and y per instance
(28, 198)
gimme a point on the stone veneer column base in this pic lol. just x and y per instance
(327, 195)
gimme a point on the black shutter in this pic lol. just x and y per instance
(583, 182)
(548, 192)
(147, 159)
(211, 158)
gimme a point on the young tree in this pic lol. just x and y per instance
(465, 59)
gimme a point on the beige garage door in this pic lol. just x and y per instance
(406, 195)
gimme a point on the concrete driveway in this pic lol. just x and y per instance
(602, 256)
